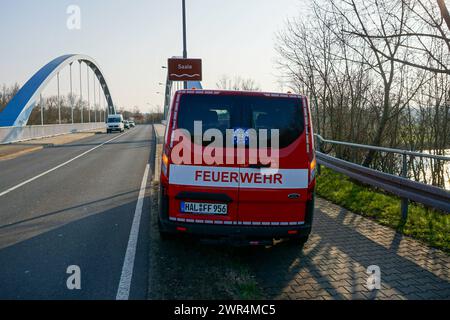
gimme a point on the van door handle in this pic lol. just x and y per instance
(259, 166)
(187, 195)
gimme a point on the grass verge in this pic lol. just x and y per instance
(430, 226)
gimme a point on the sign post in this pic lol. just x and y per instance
(184, 36)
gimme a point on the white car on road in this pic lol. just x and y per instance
(115, 123)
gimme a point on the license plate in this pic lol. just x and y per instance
(204, 208)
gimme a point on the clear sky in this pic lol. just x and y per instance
(132, 39)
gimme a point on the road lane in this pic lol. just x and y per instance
(40, 175)
(80, 214)
(29, 165)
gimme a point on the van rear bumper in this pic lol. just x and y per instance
(240, 232)
(236, 231)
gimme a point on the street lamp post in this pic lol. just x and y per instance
(59, 100)
(81, 97)
(71, 92)
(88, 93)
(42, 110)
(95, 98)
(168, 91)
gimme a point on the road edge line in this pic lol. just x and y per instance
(123, 291)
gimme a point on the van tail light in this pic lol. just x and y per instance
(313, 165)
(165, 159)
(312, 169)
(165, 164)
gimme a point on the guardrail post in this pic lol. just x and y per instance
(404, 206)
(319, 144)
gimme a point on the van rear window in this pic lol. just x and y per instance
(246, 112)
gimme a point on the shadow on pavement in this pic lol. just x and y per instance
(36, 268)
(332, 265)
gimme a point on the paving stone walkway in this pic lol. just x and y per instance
(333, 264)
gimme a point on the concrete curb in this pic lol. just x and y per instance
(158, 130)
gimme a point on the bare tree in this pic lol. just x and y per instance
(347, 56)
(7, 93)
(422, 33)
(237, 83)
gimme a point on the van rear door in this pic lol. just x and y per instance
(240, 193)
(276, 196)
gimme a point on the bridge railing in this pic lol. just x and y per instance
(399, 185)
(17, 134)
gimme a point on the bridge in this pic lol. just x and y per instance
(15, 116)
(90, 205)
(18, 111)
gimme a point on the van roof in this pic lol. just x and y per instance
(242, 93)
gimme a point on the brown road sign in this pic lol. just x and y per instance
(185, 69)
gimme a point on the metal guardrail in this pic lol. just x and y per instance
(401, 186)
(383, 149)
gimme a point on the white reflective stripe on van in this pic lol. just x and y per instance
(231, 177)
(244, 223)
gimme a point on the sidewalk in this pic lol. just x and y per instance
(14, 150)
(334, 262)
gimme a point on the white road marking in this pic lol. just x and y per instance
(57, 167)
(123, 292)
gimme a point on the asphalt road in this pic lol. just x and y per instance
(74, 205)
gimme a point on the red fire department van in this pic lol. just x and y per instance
(230, 198)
